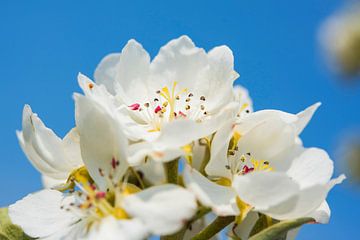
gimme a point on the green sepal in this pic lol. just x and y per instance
(9, 231)
(279, 230)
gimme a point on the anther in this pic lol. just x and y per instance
(158, 91)
(101, 172)
(157, 109)
(165, 104)
(182, 114)
(188, 100)
(190, 95)
(202, 98)
(134, 106)
(202, 107)
(231, 152)
(156, 100)
(146, 105)
(187, 107)
(114, 163)
(100, 195)
(91, 86)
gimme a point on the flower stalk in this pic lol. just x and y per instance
(171, 171)
(216, 226)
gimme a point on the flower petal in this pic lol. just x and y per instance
(71, 144)
(132, 72)
(265, 189)
(103, 145)
(218, 83)
(45, 150)
(322, 213)
(220, 198)
(156, 206)
(305, 203)
(106, 71)
(49, 182)
(267, 139)
(40, 214)
(219, 151)
(312, 167)
(298, 121)
(179, 60)
(111, 229)
(173, 134)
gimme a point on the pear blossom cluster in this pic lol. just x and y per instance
(157, 140)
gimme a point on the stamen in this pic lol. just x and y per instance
(157, 109)
(134, 106)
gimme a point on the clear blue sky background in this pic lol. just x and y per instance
(44, 44)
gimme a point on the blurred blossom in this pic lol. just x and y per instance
(340, 38)
(349, 154)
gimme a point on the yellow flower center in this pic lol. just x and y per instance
(170, 104)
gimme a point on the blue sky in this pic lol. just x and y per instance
(44, 44)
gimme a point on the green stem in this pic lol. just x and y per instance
(216, 226)
(171, 171)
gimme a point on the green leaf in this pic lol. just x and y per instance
(279, 230)
(9, 231)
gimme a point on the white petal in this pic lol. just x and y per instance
(132, 71)
(71, 144)
(162, 209)
(297, 121)
(40, 214)
(101, 140)
(111, 229)
(220, 198)
(98, 93)
(300, 205)
(305, 116)
(198, 154)
(45, 150)
(217, 86)
(219, 151)
(268, 139)
(157, 152)
(265, 189)
(322, 213)
(312, 167)
(153, 171)
(77, 231)
(173, 134)
(105, 72)
(49, 182)
(179, 60)
(305, 203)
